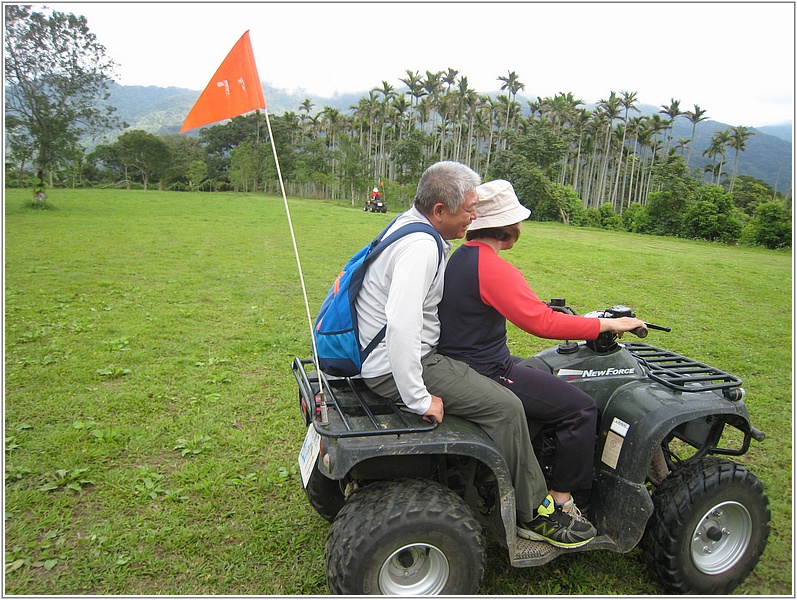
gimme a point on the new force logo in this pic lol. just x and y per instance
(573, 374)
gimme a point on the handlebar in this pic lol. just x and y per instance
(615, 312)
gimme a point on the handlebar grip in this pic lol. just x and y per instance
(640, 332)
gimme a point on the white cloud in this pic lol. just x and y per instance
(736, 60)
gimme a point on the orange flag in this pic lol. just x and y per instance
(235, 89)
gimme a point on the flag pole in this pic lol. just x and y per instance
(226, 96)
(324, 416)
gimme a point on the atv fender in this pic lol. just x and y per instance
(381, 456)
(635, 420)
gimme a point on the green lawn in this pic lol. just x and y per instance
(151, 418)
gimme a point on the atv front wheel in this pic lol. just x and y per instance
(405, 537)
(708, 529)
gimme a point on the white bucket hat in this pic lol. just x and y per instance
(498, 206)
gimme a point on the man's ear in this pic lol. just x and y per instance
(438, 210)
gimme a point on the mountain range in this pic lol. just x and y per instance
(158, 110)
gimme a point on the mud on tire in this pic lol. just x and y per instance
(709, 527)
(407, 536)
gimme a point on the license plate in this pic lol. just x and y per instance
(308, 455)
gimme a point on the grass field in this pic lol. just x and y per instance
(151, 418)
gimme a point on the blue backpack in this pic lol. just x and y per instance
(336, 331)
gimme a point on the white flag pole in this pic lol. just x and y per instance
(324, 418)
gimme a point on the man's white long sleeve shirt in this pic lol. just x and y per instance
(402, 287)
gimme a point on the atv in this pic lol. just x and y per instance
(409, 500)
(375, 205)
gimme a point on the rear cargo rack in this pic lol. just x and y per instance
(353, 409)
(679, 372)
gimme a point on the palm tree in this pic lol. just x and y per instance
(433, 84)
(738, 140)
(564, 114)
(713, 169)
(608, 111)
(490, 108)
(534, 107)
(466, 98)
(450, 78)
(655, 147)
(481, 130)
(331, 118)
(636, 128)
(401, 110)
(291, 120)
(415, 84)
(694, 116)
(673, 110)
(683, 144)
(512, 85)
(305, 107)
(627, 101)
(314, 125)
(645, 133)
(445, 108)
(474, 105)
(580, 121)
(371, 112)
(716, 148)
(387, 94)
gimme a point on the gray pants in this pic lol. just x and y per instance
(497, 410)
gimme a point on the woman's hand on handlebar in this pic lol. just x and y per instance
(623, 324)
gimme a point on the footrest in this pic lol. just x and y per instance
(531, 553)
(533, 549)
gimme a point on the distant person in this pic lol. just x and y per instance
(482, 291)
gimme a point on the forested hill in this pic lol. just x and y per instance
(768, 153)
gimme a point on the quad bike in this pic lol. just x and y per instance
(408, 499)
(375, 205)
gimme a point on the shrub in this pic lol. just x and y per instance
(704, 221)
(664, 212)
(633, 217)
(563, 199)
(609, 218)
(590, 217)
(771, 226)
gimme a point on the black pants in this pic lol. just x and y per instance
(573, 414)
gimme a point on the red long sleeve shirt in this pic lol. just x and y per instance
(482, 291)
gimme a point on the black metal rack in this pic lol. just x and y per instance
(352, 408)
(679, 372)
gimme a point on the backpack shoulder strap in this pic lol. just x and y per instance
(380, 244)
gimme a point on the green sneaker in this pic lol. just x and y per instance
(555, 526)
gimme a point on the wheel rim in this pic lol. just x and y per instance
(415, 569)
(721, 538)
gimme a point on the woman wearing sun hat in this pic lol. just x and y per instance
(482, 291)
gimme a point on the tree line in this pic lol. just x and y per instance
(605, 167)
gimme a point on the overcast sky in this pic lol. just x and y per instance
(735, 60)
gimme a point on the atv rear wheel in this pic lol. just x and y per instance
(708, 529)
(405, 537)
